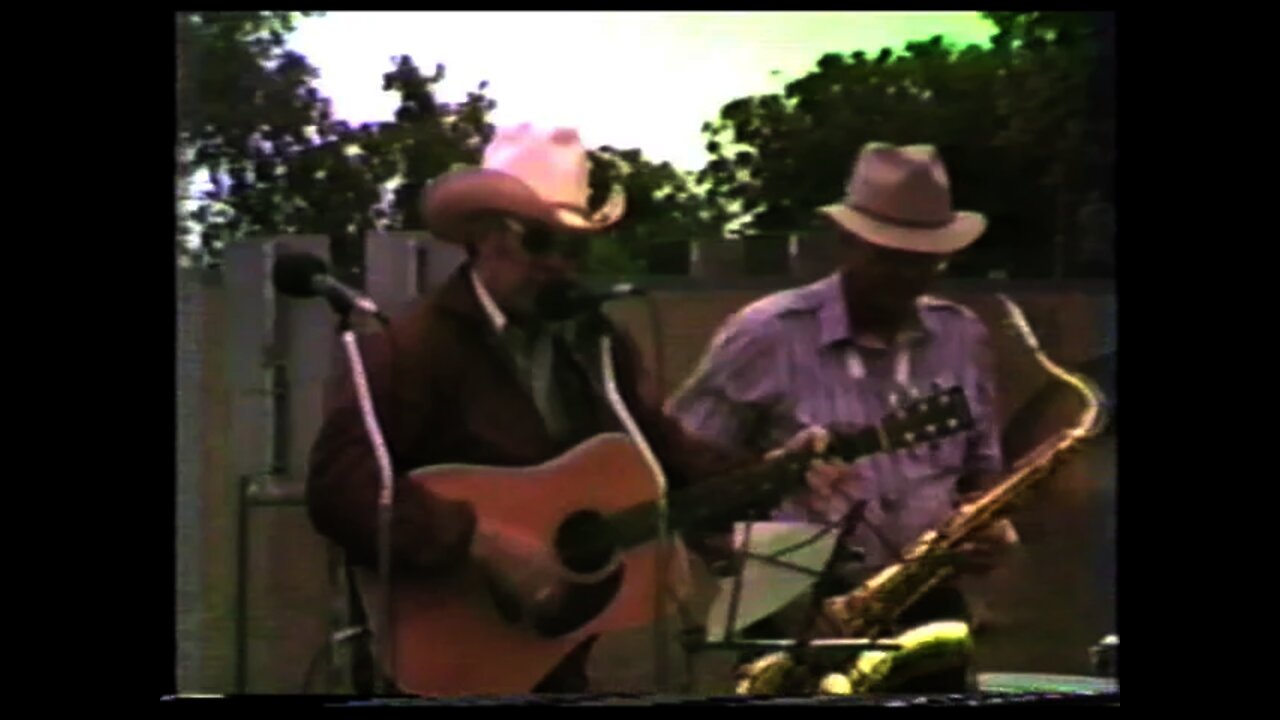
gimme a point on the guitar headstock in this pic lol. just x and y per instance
(941, 414)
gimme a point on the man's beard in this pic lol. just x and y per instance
(557, 300)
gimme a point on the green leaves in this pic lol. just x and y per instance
(664, 209)
(278, 162)
(1022, 125)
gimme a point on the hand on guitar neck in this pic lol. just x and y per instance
(834, 483)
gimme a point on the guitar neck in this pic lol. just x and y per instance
(739, 493)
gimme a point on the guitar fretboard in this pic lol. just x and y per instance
(735, 494)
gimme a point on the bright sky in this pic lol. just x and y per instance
(627, 79)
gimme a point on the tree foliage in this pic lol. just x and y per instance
(1026, 128)
(664, 213)
(277, 160)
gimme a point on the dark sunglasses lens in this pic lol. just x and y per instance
(540, 242)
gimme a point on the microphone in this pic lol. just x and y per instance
(563, 300)
(304, 275)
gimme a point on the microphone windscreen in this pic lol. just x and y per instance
(293, 273)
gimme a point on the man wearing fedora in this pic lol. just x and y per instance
(836, 351)
(479, 374)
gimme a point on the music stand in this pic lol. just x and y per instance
(775, 564)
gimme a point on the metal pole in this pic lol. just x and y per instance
(267, 497)
(242, 590)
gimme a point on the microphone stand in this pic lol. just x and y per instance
(806, 635)
(600, 327)
(386, 488)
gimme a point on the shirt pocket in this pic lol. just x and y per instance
(919, 498)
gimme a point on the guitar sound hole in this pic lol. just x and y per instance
(577, 605)
(584, 542)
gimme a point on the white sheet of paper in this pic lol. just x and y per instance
(766, 587)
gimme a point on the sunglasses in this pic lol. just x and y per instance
(898, 261)
(909, 263)
(541, 241)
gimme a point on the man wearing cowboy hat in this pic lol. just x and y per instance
(837, 350)
(480, 374)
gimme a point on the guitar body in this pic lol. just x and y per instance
(450, 636)
(455, 635)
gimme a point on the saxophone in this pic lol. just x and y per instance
(869, 611)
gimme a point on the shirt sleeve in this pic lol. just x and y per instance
(736, 385)
(428, 533)
(687, 458)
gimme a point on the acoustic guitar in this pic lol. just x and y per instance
(596, 506)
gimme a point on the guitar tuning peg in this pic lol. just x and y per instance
(914, 392)
(894, 400)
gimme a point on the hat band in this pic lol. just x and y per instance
(890, 220)
(571, 207)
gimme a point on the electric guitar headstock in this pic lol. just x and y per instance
(915, 421)
(941, 414)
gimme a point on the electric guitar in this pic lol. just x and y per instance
(596, 507)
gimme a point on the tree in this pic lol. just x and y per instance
(664, 213)
(1057, 101)
(245, 103)
(277, 159)
(1023, 126)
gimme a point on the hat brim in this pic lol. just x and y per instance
(964, 229)
(455, 196)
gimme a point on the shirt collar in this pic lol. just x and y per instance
(499, 321)
(836, 326)
(497, 318)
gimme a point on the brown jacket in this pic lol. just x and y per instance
(445, 392)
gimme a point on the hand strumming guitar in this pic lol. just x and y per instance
(822, 478)
(524, 573)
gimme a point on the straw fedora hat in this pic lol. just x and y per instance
(900, 198)
(539, 174)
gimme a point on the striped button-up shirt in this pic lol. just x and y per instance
(793, 359)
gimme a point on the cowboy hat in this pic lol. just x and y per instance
(533, 173)
(900, 198)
